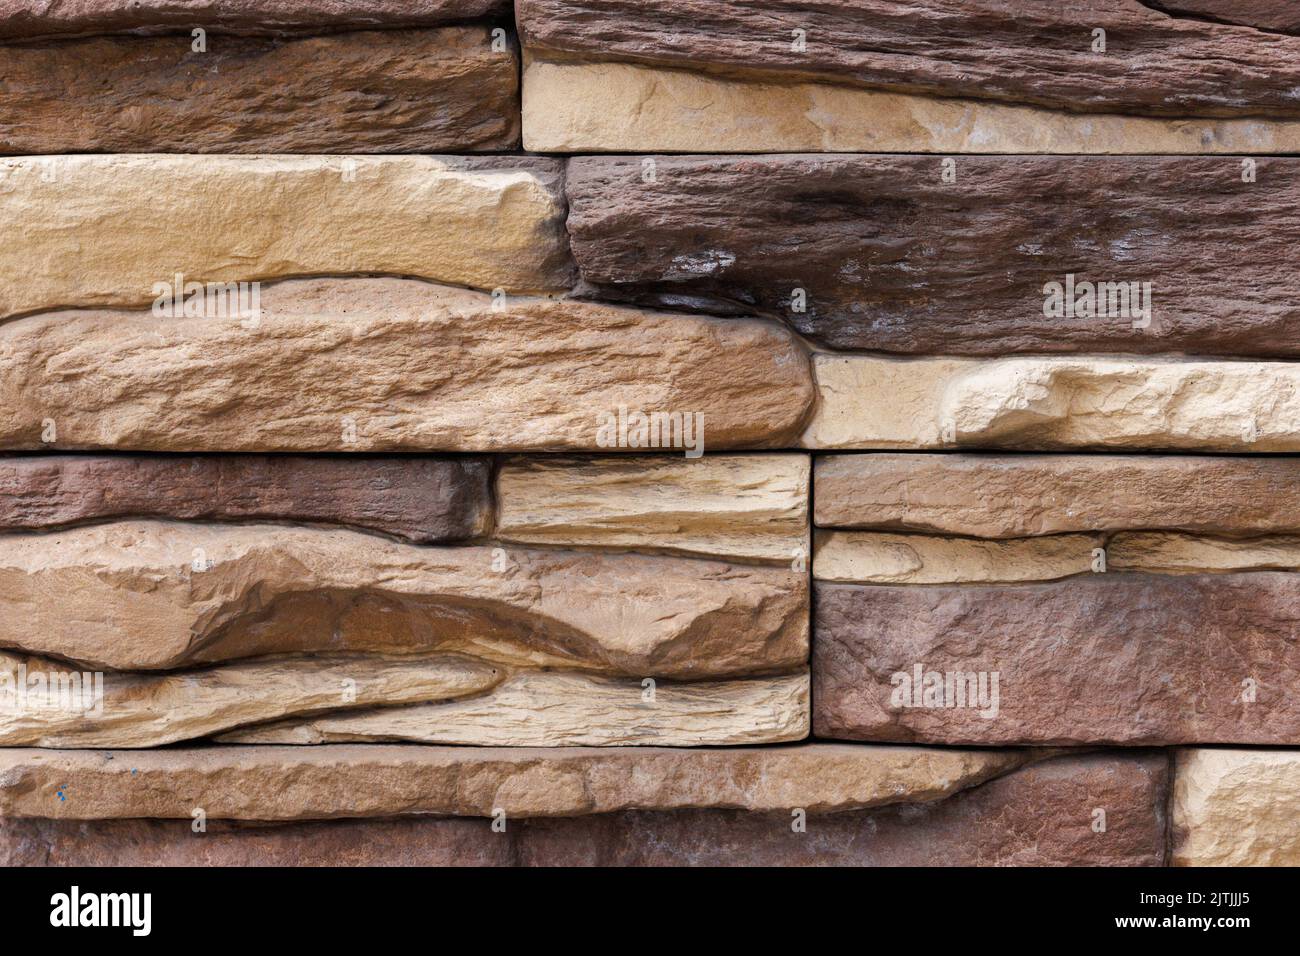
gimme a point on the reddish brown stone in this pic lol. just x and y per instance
(1040, 815)
(1020, 51)
(1012, 496)
(1111, 658)
(24, 19)
(1280, 16)
(417, 498)
(383, 91)
(893, 259)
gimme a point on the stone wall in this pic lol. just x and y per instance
(649, 432)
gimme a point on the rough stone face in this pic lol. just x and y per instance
(1019, 51)
(1038, 815)
(621, 107)
(354, 365)
(301, 783)
(128, 596)
(572, 710)
(1188, 554)
(1107, 658)
(1276, 15)
(104, 230)
(151, 710)
(736, 506)
(382, 91)
(893, 259)
(1054, 403)
(1011, 496)
(23, 19)
(420, 499)
(1236, 808)
(870, 558)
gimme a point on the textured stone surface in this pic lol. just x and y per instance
(102, 230)
(1236, 808)
(1106, 658)
(21, 19)
(1054, 403)
(1186, 554)
(381, 91)
(420, 499)
(293, 783)
(151, 710)
(572, 710)
(1276, 15)
(621, 107)
(353, 365)
(1011, 496)
(1021, 51)
(893, 259)
(873, 558)
(127, 596)
(1038, 815)
(739, 506)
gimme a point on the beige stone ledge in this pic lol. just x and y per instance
(618, 107)
(1169, 553)
(1236, 807)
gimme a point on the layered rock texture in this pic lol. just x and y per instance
(649, 432)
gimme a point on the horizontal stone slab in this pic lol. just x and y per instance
(1039, 815)
(1046, 404)
(1236, 807)
(131, 223)
(1279, 16)
(375, 364)
(1106, 658)
(1184, 554)
(420, 499)
(532, 709)
(880, 253)
(359, 780)
(23, 19)
(1018, 51)
(379, 91)
(1010, 496)
(874, 558)
(736, 506)
(625, 108)
(143, 595)
(47, 704)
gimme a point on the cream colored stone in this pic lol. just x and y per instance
(1168, 553)
(378, 780)
(351, 365)
(150, 710)
(533, 709)
(1055, 403)
(154, 594)
(1236, 807)
(869, 558)
(621, 107)
(739, 506)
(102, 230)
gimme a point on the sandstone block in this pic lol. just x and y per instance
(1055, 403)
(736, 506)
(420, 499)
(1010, 496)
(1106, 658)
(301, 783)
(146, 595)
(354, 365)
(1236, 807)
(379, 91)
(105, 230)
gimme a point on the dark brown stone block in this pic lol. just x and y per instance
(1139, 659)
(1012, 496)
(382, 91)
(1280, 16)
(893, 259)
(417, 498)
(1020, 51)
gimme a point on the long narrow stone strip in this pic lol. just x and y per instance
(304, 783)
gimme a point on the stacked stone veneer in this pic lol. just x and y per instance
(368, 576)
